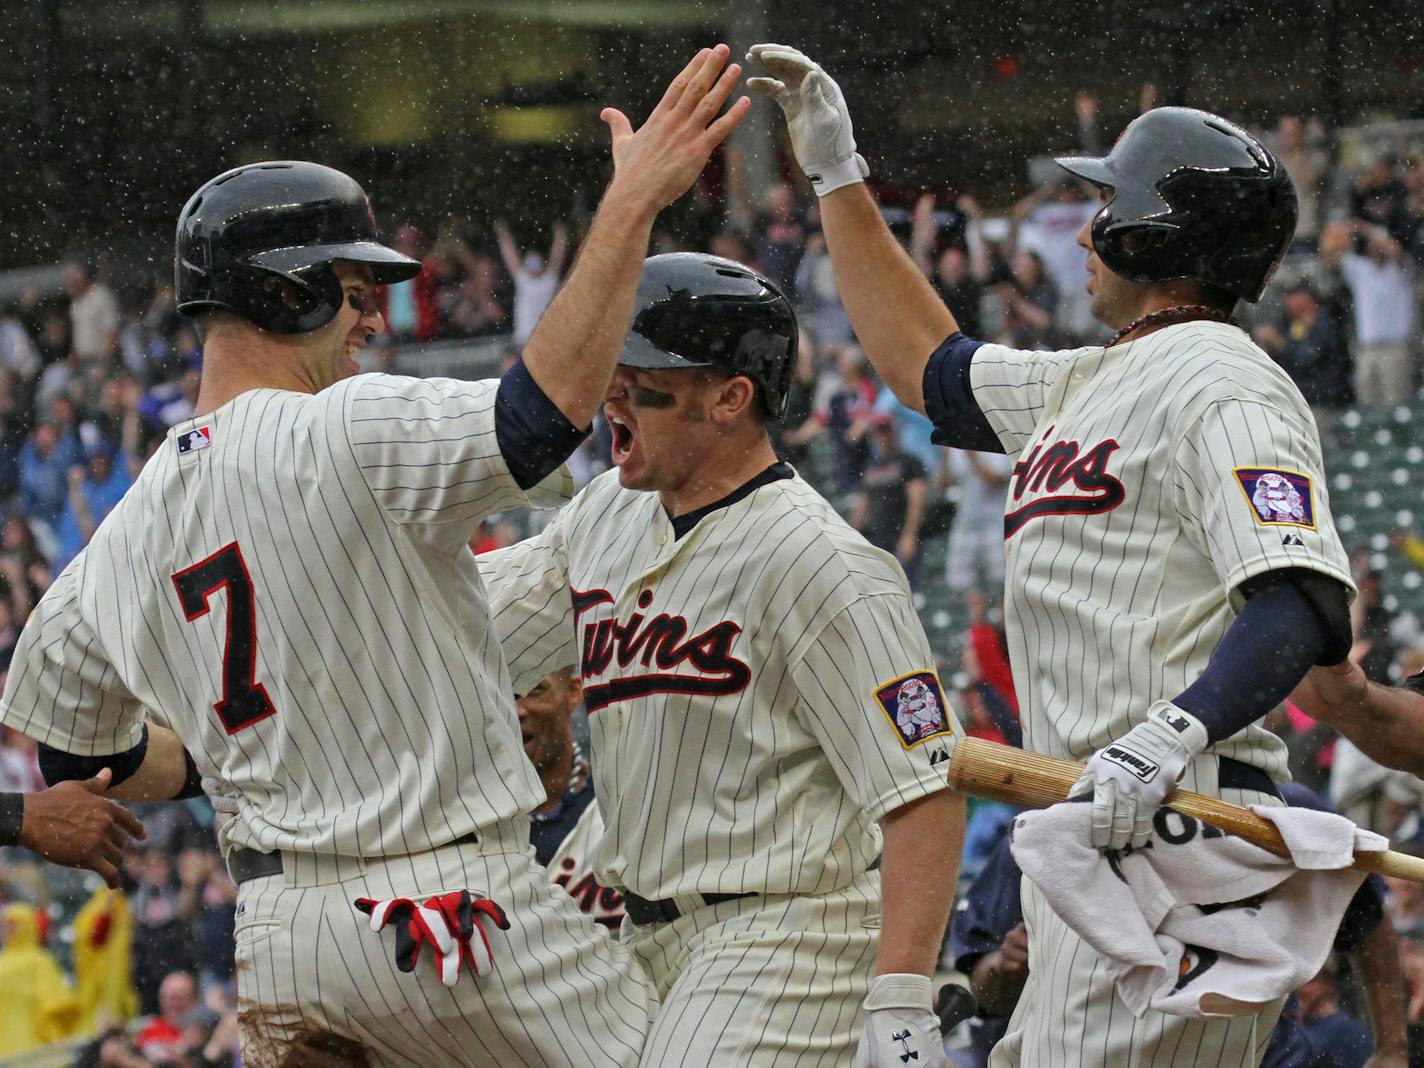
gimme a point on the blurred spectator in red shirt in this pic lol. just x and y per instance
(163, 1040)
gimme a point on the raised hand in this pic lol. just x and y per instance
(656, 163)
(816, 115)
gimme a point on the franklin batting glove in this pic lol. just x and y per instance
(901, 1027)
(1131, 777)
(447, 923)
(816, 116)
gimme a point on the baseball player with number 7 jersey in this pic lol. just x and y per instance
(1171, 566)
(286, 602)
(761, 695)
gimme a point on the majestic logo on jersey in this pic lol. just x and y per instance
(193, 440)
(700, 663)
(1062, 479)
(915, 706)
(1278, 498)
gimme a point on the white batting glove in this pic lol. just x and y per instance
(816, 116)
(1131, 777)
(225, 799)
(900, 1025)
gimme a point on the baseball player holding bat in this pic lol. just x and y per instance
(1172, 567)
(761, 696)
(286, 602)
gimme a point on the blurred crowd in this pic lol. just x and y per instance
(91, 380)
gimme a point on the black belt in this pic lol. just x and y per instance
(642, 910)
(1234, 775)
(244, 864)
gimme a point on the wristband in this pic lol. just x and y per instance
(12, 818)
(832, 176)
(899, 990)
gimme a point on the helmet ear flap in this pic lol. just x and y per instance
(1137, 242)
(286, 303)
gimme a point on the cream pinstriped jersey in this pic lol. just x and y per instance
(760, 691)
(571, 867)
(289, 588)
(1153, 478)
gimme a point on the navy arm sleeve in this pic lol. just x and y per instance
(958, 420)
(57, 766)
(12, 818)
(534, 436)
(1275, 640)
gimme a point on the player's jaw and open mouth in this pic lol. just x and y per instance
(625, 435)
(355, 342)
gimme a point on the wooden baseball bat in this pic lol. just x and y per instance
(1003, 773)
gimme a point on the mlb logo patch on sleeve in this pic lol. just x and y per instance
(1278, 498)
(915, 706)
(193, 440)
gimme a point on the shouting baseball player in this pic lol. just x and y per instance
(288, 589)
(760, 693)
(1172, 568)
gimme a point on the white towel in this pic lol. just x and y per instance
(1199, 923)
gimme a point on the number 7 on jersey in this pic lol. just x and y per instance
(244, 699)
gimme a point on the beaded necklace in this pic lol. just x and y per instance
(1178, 313)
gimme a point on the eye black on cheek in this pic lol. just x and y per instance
(651, 398)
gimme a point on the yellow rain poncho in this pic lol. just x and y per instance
(103, 962)
(37, 1006)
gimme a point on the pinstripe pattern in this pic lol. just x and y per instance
(762, 982)
(771, 788)
(774, 788)
(1112, 607)
(571, 868)
(1149, 580)
(366, 619)
(562, 993)
(394, 732)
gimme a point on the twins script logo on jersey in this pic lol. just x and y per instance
(1278, 498)
(700, 663)
(916, 706)
(1062, 479)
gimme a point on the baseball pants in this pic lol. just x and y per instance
(562, 993)
(762, 982)
(1070, 1016)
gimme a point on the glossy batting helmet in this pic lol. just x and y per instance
(695, 310)
(250, 229)
(1194, 196)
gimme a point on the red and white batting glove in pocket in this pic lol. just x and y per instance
(448, 923)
